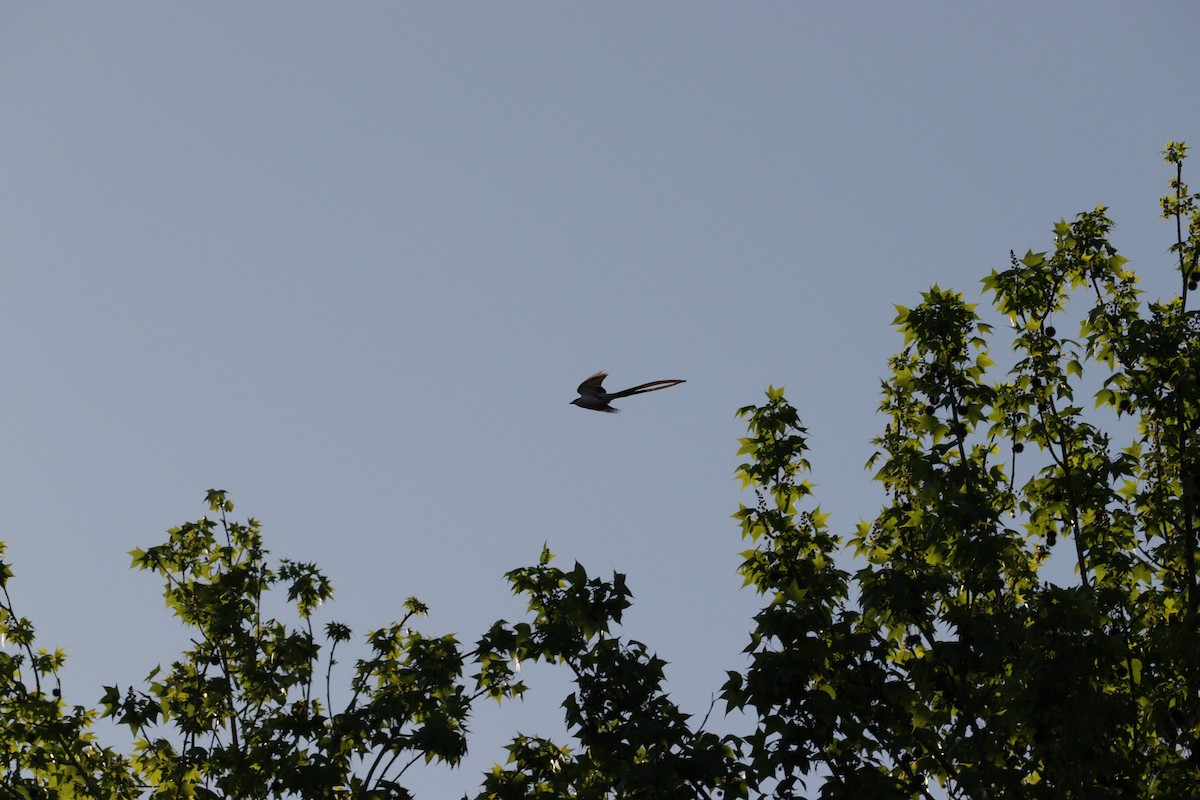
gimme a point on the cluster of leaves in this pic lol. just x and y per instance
(925, 655)
(633, 741)
(48, 749)
(945, 658)
(243, 710)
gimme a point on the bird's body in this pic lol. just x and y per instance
(593, 397)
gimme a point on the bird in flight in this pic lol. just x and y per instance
(593, 397)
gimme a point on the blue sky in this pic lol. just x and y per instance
(349, 262)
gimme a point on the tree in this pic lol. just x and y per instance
(942, 657)
(633, 741)
(242, 712)
(924, 655)
(48, 749)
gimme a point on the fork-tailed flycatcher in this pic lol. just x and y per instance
(593, 397)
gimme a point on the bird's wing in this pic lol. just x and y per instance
(652, 386)
(593, 385)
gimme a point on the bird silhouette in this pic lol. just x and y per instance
(593, 397)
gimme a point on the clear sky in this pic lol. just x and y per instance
(349, 262)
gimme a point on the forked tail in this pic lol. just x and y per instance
(652, 386)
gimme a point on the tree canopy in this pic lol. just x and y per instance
(924, 654)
